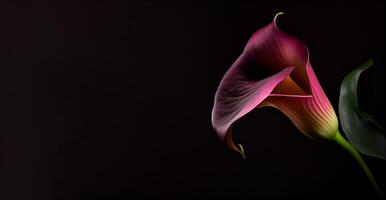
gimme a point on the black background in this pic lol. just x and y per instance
(113, 100)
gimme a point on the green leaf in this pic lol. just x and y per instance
(364, 133)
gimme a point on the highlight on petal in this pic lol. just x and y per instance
(359, 127)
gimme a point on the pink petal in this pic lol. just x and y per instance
(236, 97)
(307, 115)
(313, 115)
(261, 76)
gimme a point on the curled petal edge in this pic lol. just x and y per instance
(262, 89)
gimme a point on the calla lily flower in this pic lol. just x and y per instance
(274, 70)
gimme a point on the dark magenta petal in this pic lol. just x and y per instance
(270, 49)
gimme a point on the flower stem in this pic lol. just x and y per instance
(354, 153)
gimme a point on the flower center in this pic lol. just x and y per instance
(289, 87)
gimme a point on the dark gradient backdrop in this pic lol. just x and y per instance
(113, 100)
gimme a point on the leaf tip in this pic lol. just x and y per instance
(367, 64)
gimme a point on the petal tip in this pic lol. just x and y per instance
(242, 152)
(275, 18)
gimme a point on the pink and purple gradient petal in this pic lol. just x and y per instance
(273, 70)
(236, 97)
